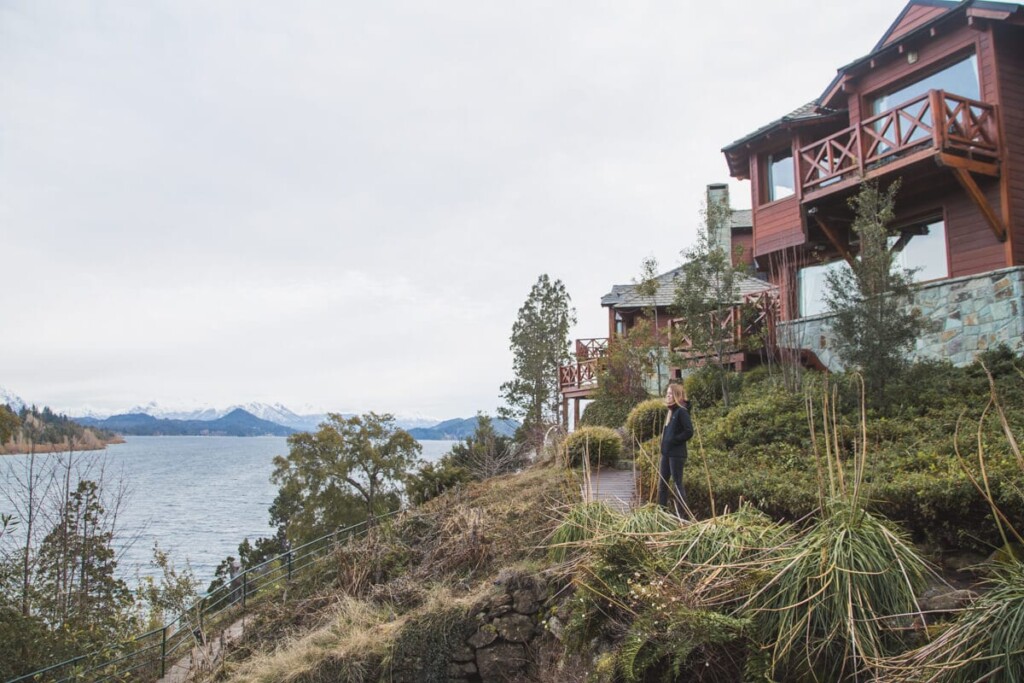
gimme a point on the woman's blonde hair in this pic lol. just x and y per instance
(678, 391)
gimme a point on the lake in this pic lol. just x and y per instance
(198, 496)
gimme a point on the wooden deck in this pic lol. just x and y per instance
(615, 487)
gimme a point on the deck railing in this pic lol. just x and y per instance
(748, 325)
(938, 120)
(583, 373)
(150, 655)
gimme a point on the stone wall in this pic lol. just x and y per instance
(965, 316)
(494, 641)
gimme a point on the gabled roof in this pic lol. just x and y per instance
(890, 41)
(817, 109)
(807, 113)
(627, 296)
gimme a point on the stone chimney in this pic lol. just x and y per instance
(718, 194)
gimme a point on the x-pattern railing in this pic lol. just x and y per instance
(941, 120)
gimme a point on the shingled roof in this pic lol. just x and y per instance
(627, 296)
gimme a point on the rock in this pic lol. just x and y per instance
(498, 662)
(937, 600)
(517, 628)
(484, 636)
(462, 670)
(555, 627)
(525, 601)
(500, 611)
(463, 653)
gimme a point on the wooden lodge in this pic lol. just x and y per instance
(626, 305)
(938, 103)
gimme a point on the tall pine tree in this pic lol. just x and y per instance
(539, 345)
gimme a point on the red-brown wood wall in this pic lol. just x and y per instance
(1010, 76)
(915, 17)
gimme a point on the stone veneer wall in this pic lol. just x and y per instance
(965, 315)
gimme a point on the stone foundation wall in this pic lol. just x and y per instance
(965, 316)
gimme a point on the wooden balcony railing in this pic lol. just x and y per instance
(588, 349)
(746, 326)
(937, 121)
(583, 373)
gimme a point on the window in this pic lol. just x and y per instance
(921, 248)
(960, 78)
(780, 175)
(811, 287)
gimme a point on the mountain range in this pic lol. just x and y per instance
(251, 419)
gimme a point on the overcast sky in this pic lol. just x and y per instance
(341, 205)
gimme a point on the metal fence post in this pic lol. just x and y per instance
(163, 652)
(245, 586)
(289, 565)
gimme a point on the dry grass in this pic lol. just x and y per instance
(357, 632)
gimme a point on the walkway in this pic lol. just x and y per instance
(203, 658)
(615, 487)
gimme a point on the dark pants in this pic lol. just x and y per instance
(672, 471)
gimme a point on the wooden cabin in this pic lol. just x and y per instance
(937, 103)
(626, 306)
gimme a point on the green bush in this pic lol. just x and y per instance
(605, 411)
(767, 420)
(600, 445)
(646, 420)
(704, 387)
(433, 479)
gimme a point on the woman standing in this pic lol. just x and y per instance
(678, 430)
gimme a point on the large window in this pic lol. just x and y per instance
(811, 287)
(960, 78)
(921, 248)
(780, 175)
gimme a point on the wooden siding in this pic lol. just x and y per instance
(932, 55)
(745, 240)
(778, 226)
(915, 17)
(1010, 77)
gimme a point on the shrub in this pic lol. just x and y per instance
(600, 445)
(646, 420)
(704, 387)
(606, 411)
(766, 421)
(434, 479)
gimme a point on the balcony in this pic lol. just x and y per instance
(740, 331)
(955, 131)
(580, 378)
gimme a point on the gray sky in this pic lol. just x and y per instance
(341, 205)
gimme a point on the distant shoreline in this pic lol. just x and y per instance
(21, 448)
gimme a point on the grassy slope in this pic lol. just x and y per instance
(439, 557)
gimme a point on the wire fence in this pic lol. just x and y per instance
(149, 656)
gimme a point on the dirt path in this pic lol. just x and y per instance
(203, 658)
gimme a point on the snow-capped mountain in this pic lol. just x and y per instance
(11, 399)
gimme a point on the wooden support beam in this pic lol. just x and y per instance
(990, 168)
(834, 239)
(974, 192)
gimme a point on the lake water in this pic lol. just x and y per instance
(198, 496)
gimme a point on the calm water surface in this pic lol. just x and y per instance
(198, 496)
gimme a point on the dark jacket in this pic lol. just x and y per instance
(677, 432)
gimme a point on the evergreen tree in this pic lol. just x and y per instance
(704, 295)
(539, 345)
(75, 589)
(872, 322)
